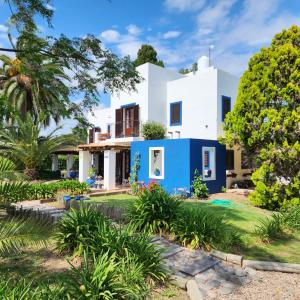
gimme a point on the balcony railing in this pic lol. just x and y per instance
(128, 128)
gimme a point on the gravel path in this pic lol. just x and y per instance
(268, 285)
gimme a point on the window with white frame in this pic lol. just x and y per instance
(208, 163)
(156, 162)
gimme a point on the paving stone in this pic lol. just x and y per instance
(193, 290)
(212, 294)
(228, 284)
(197, 266)
(225, 290)
(171, 251)
(244, 280)
(213, 283)
(240, 272)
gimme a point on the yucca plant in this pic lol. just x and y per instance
(198, 227)
(155, 210)
(18, 233)
(270, 228)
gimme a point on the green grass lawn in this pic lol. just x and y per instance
(242, 217)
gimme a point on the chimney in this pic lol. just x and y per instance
(203, 63)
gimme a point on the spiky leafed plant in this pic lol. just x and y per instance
(37, 87)
(12, 186)
(18, 233)
(25, 144)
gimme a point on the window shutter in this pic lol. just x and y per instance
(136, 120)
(119, 122)
(91, 135)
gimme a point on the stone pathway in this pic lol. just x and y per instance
(213, 277)
(44, 209)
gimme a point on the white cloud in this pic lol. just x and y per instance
(110, 35)
(171, 34)
(48, 6)
(3, 28)
(184, 5)
(129, 47)
(133, 29)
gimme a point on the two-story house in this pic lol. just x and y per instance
(192, 108)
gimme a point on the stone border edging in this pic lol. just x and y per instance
(256, 264)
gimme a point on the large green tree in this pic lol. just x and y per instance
(147, 54)
(25, 144)
(266, 120)
(88, 64)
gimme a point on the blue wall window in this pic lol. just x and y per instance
(176, 113)
(226, 106)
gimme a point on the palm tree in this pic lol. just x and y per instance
(35, 87)
(18, 233)
(24, 143)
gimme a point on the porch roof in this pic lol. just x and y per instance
(67, 150)
(105, 145)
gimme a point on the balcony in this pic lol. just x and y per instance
(126, 129)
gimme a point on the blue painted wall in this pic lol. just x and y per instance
(182, 157)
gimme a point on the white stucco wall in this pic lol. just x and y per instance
(227, 86)
(198, 94)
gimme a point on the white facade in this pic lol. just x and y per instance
(200, 94)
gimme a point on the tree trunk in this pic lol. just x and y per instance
(32, 173)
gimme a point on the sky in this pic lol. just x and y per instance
(180, 30)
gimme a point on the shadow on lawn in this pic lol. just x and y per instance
(31, 265)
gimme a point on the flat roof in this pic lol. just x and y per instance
(105, 145)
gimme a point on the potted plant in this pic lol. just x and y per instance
(157, 171)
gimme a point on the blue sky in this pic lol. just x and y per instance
(180, 30)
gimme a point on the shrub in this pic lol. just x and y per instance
(200, 189)
(76, 230)
(89, 230)
(153, 131)
(105, 277)
(291, 217)
(270, 228)
(198, 227)
(49, 190)
(155, 210)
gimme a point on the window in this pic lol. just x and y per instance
(208, 163)
(226, 106)
(176, 113)
(229, 159)
(156, 162)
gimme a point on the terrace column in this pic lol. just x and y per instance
(54, 166)
(70, 162)
(109, 169)
(84, 165)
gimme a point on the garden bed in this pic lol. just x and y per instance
(243, 216)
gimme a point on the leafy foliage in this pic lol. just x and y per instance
(153, 131)
(90, 64)
(25, 144)
(198, 227)
(105, 277)
(200, 189)
(154, 210)
(134, 173)
(270, 228)
(17, 233)
(266, 117)
(147, 54)
(77, 229)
